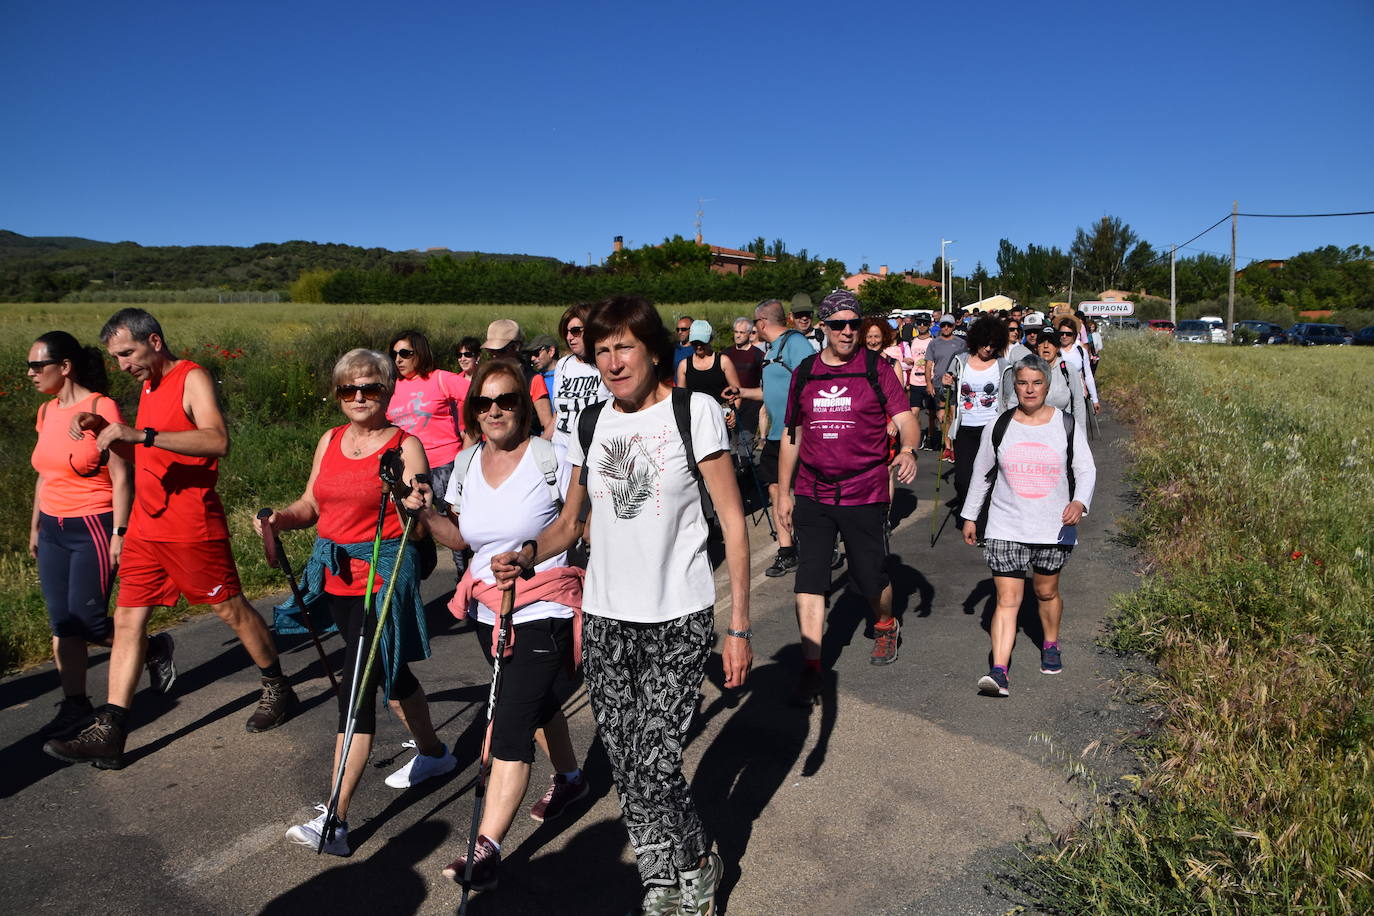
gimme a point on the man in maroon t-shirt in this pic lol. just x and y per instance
(836, 445)
(748, 360)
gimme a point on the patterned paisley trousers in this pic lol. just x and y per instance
(644, 680)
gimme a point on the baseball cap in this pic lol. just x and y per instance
(500, 333)
(801, 304)
(542, 341)
(701, 332)
(946, 320)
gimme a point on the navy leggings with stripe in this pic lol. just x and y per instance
(74, 570)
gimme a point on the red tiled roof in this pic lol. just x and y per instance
(736, 253)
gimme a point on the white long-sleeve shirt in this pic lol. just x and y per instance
(1032, 487)
(1075, 356)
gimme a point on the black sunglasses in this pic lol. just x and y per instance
(372, 391)
(839, 324)
(1013, 327)
(37, 364)
(1068, 333)
(508, 401)
(103, 460)
(575, 331)
(466, 354)
(402, 353)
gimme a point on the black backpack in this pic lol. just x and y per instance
(682, 413)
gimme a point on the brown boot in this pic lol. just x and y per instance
(101, 744)
(275, 706)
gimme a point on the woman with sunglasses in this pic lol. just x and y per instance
(1077, 357)
(340, 500)
(647, 637)
(881, 338)
(468, 351)
(577, 382)
(503, 499)
(983, 387)
(1065, 389)
(81, 505)
(428, 404)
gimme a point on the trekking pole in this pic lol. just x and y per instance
(276, 558)
(484, 762)
(939, 465)
(387, 471)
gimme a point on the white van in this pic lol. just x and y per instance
(1218, 328)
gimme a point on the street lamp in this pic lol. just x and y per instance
(945, 298)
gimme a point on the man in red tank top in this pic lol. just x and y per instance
(178, 539)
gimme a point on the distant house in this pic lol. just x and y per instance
(723, 260)
(854, 281)
(1116, 295)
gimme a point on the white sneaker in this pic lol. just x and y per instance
(421, 768)
(308, 834)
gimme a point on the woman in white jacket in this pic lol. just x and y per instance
(1037, 463)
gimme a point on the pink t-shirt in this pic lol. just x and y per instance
(430, 409)
(60, 461)
(916, 350)
(844, 432)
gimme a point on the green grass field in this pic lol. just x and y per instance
(275, 396)
(1256, 509)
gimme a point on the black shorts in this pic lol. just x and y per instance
(768, 461)
(920, 399)
(814, 524)
(527, 699)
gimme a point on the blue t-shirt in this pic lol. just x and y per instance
(783, 357)
(682, 352)
(549, 374)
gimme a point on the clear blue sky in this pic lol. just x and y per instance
(863, 131)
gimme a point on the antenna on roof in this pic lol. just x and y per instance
(701, 211)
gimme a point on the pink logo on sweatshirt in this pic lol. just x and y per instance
(1032, 468)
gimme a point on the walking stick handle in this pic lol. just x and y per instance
(269, 538)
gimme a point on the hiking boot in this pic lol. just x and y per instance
(560, 795)
(782, 565)
(1050, 661)
(275, 706)
(660, 900)
(162, 670)
(100, 744)
(885, 644)
(308, 834)
(699, 887)
(422, 767)
(994, 684)
(73, 714)
(486, 864)
(808, 689)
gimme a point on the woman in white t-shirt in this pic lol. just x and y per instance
(649, 595)
(1041, 488)
(577, 382)
(503, 491)
(983, 383)
(1076, 355)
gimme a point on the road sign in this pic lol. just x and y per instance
(1122, 307)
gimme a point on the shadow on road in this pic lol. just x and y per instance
(1027, 615)
(385, 882)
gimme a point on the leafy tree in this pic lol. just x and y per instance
(1101, 254)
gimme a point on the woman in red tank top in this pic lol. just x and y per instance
(341, 500)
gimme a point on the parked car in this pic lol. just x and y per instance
(1364, 337)
(1310, 334)
(1260, 332)
(1124, 322)
(1193, 331)
(1161, 324)
(1349, 338)
(1218, 328)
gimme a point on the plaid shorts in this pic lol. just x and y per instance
(1010, 558)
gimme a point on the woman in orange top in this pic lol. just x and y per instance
(81, 506)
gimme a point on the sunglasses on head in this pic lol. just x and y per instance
(37, 364)
(839, 324)
(372, 391)
(508, 401)
(402, 353)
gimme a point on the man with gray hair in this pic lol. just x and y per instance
(748, 362)
(178, 536)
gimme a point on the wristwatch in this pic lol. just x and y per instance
(122, 530)
(908, 448)
(739, 634)
(149, 434)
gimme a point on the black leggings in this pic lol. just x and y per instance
(347, 611)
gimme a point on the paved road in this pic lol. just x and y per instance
(901, 795)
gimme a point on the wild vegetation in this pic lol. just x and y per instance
(272, 364)
(1255, 487)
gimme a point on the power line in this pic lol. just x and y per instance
(1307, 215)
(1193, 239)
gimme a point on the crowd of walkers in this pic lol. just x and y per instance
(556, 482)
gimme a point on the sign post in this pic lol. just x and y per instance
(1102, 309)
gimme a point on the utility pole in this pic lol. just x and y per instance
(944, 269)
(951, 283)
(1072, 265)
(1173, 287)
(1231, 286)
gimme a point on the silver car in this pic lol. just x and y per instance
(1193, 331)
